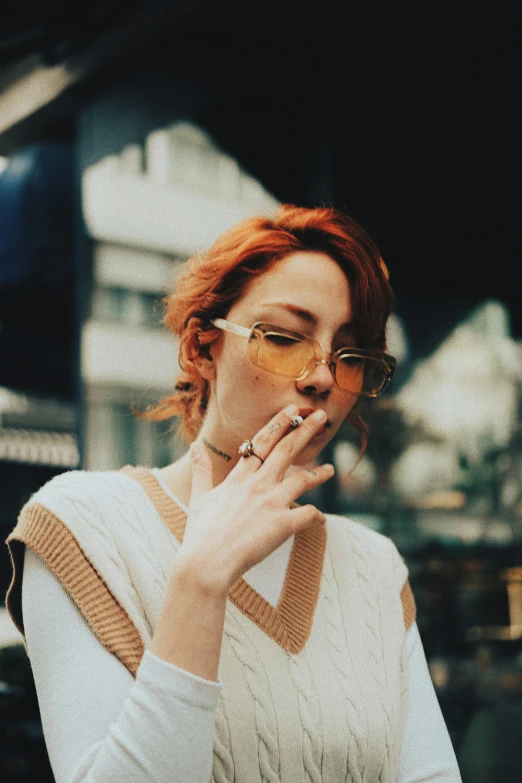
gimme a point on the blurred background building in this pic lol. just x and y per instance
(131, 135)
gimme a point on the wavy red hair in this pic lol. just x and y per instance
(212, 282)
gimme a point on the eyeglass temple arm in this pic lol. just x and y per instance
(228, 326)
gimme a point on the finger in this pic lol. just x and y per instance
(285, 451)
(302, 517)
(265, 439)
(201, 470)
(304, 480)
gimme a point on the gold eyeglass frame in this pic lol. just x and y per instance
(260, 328)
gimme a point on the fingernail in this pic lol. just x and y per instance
(291, 410)
(329, 467)
(320, 415)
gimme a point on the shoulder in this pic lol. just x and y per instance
(81, 487)
(79, 496)
(361, 537)
(91, 506)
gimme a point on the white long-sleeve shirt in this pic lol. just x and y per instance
(101, 725)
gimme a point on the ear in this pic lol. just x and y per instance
(205, 363)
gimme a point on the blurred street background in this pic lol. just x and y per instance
(131, 135)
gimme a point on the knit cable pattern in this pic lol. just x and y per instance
(259, 687)
(84, 508)
(373, 620)
(223, 766)
(309, 712)
(336, 635)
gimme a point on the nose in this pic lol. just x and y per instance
(319, 380)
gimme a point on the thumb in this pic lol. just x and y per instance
(201, 470)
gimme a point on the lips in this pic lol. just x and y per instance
(304, 412)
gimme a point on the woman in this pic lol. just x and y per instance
(195, 621)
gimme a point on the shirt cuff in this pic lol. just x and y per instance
(159, 676)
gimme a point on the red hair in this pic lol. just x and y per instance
(212, 282)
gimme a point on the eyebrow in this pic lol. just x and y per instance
(306, 315)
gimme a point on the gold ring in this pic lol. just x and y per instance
(247, 450)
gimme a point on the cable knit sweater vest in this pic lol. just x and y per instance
(313, 690)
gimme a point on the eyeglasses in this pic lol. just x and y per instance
(294, 355)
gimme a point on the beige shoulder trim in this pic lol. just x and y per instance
(408, 605)
(50, 538)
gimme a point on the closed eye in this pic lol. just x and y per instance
(282, 340)
(352, 361)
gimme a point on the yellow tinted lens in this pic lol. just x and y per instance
(283, 354)
(359, 374)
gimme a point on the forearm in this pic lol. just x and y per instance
(164, 732)
(189, 630)
(101, 724)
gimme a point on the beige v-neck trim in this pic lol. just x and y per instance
(289, 624)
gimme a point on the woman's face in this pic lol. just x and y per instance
(305, 292)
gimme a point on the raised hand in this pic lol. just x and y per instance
(236, 524)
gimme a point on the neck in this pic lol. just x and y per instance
(223, 455)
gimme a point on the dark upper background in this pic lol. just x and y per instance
(407, 117)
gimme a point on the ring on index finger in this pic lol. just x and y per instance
(247, 450)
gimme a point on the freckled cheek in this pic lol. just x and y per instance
(246, 387)
(264, 381)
